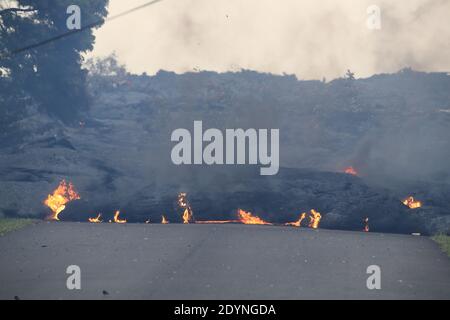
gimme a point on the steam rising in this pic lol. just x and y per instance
(308, 38)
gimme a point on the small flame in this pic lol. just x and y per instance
(248, 218)
(412, 203)
(297, 223)
(188, 215)
(164, 220)
(366, 225)
(117, 219)
(96, 219)
(314, 219)
(57, 201)
(351, 170)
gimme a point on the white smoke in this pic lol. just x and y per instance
(312, 39)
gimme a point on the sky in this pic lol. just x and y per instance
(309, 38)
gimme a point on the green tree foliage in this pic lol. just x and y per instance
(49, 75)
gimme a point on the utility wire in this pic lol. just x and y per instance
(89, 26)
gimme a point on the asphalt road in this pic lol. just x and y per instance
(217, 262)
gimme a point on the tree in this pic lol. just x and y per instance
(106, 66)
(350, 75)
(50, 75)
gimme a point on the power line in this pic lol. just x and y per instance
(89, 26)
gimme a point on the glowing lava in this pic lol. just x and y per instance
(314, 219)
(217, 221)
(297, 223)
(96, 219)
(248, 218)
(351, 170)
(412, 203)
(117, 219)
(57, 201)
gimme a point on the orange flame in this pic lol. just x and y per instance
(164, 220)
(187, 216)
(314, 218)
(248, 218)
(412, 203)
(351, 170)
(297, 223)
(96, 219)
(57, 201)
(366, 225)
(183, 203)
(117, 219)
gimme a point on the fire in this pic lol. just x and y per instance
(182, 201)
(351, 170)
(412, 203)
(248, 218)
(297, 223)
(188, 215)
(57, 201)
(366, 225)
(117, 219)
(164, 220)
(96, 219)
(314, 219)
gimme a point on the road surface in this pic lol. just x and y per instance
(217, 262)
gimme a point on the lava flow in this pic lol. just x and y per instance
(412, 203)
(96, 219)
(248, 218)
(57, 201)
(217, 221)
(351, 170)
(297, 223)
(117, 219)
